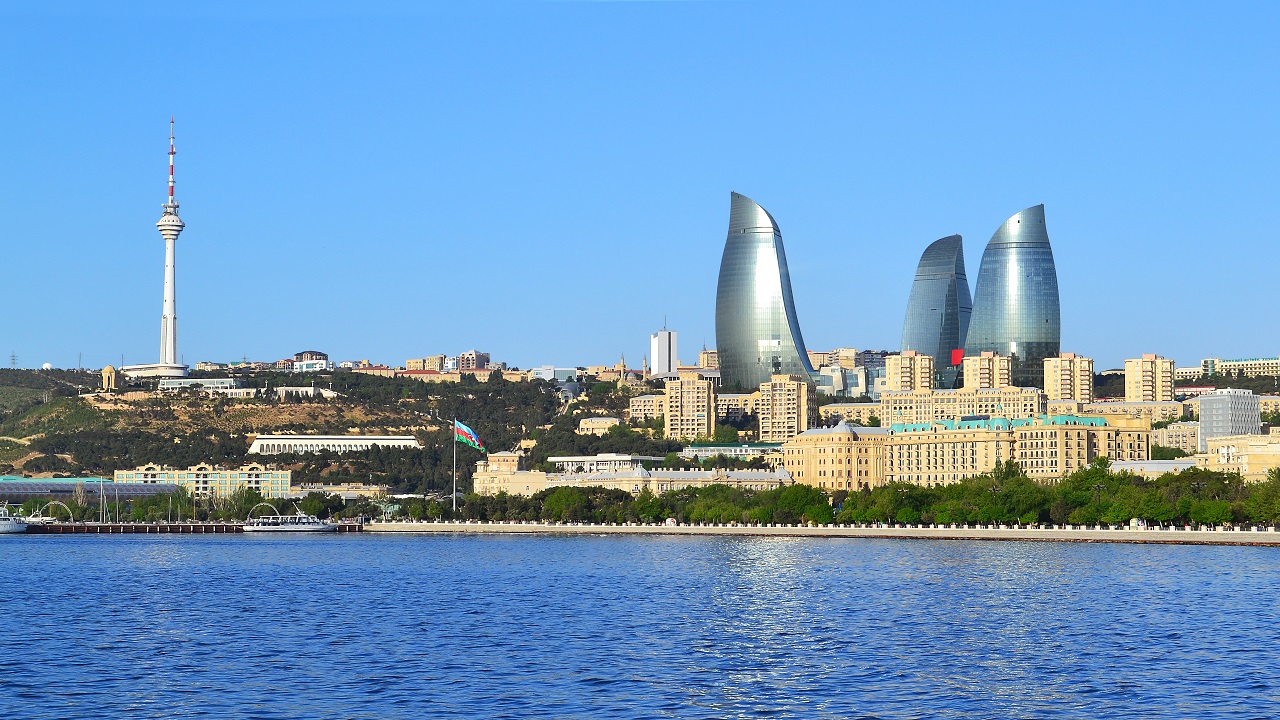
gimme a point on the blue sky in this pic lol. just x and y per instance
(548, 181)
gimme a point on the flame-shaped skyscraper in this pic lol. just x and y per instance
(1015, 305)
(757, 334)
(939, 308)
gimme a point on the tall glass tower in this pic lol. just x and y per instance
(939, 308)
(1015, 305)
(757, 334)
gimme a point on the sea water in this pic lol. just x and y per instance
(368, 626)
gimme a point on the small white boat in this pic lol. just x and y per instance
(10, 524)
(300, 522)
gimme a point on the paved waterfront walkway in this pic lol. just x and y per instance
(1183, 536)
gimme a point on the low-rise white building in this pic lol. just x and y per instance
(277, 444)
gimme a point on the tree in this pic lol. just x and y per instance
(1211, 512)
(725, 434)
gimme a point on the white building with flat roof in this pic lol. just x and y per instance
(278, 444)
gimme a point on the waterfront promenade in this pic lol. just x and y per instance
(1267, 536)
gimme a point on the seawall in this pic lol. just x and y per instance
(1182, 536)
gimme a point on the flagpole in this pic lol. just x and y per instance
(454, 433)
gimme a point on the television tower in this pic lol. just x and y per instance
(170, 226)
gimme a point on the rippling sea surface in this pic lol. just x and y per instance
(633, 627)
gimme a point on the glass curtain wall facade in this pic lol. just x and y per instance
(938, 310)
(1015, 305)
(757, 334)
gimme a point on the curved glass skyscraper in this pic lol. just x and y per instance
(757, 334)
(1015, 305)
(939, 308)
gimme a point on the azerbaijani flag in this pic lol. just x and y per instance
(467, 436)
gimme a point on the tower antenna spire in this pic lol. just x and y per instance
(172, 152)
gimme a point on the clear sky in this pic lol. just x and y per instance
(548, 181)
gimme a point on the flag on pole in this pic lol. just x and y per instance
(467, 436)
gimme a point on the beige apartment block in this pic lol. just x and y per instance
(837, 458)
(945, 452)
(1153, 411)
(212, 481)
(1268, 403)
(1248, 367)
(1068, 377)
(852, 413)
(787, 407)
(1187, 374)
(819, 359)
(1252, 456)
(1148, 379)
(473, 360)
(988, 370)
(1184, 436)
(734, 406)
(690, 407)
(598, 426)
(846, 358)
(908, 371)
(1054, 446)
(643, 408)
(430, 362)
(1046, 447)
(923, 406)
(709, 359)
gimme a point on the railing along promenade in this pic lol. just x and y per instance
(1179, 535)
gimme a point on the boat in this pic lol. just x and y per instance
(10, 524)
(301, 522)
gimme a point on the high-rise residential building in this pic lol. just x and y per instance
(1148, 379)
(709, 359)
(1015, 305)
(690, 407)
(757, 333)
(909, 371)
(1228, 412)
(939, 308)
(1068, 377)
(662, 352)
(473, 360)
(788, 405)
(988, 370)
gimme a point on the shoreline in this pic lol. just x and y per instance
(1260, 537)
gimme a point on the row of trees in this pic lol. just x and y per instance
(1089, 496)
(714, 503)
